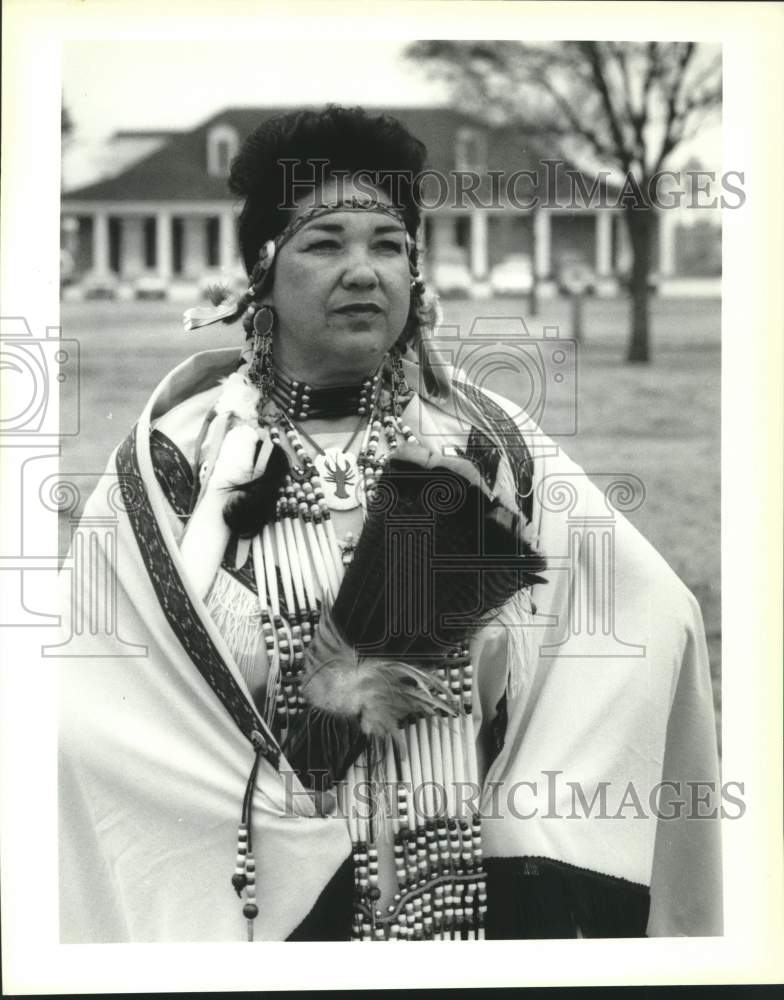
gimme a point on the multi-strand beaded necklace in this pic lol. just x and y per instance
(416, 777)
(300, 550)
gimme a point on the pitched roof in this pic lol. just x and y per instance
(86, 163)
(178, 170)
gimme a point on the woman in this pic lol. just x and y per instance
(331, 544)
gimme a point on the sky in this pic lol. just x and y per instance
(175, 85)
(111, 85)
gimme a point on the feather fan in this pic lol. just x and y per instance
(436, 560)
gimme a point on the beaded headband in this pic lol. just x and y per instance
(355, 204)
(205, 315)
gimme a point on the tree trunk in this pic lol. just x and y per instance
(640, 223)
(533, 299)
(577, 299)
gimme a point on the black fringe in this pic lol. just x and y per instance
(533, 897)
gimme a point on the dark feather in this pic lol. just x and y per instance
(217, 293)
(433, 562)
(436, 559)
(253, 504)
(353, 700)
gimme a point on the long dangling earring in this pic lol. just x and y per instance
(260, 373)
(424, 312)
(417, 285)
(400, 386)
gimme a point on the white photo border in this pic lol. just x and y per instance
(753, 260)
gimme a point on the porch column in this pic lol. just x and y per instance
(603, 243)
(227, 249)
(479, 244)
(132, 247)
(606, 284)
(100, 244)
(194, 246)
(623, 259)
(163, 245)
(666, 244)
(542, 245)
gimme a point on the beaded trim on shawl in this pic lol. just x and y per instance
(176, 604)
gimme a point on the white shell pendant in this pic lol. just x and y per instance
(340, 478)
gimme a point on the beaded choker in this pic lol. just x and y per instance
(301, 401)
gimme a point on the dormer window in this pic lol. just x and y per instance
(222, 145)
(471, 150)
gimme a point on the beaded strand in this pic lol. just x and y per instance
(440, 891)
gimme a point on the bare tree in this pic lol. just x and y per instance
(619, 105)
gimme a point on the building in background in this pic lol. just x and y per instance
(160, 221)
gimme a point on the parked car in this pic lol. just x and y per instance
(575, 276)
(100, 286)
(150, 286)
(513, 276)
(451, 273)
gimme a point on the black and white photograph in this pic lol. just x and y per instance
(380, 430)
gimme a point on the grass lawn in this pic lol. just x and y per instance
(659, 422)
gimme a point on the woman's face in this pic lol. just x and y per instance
(341, 291)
